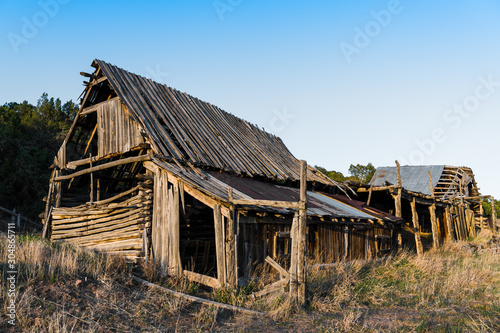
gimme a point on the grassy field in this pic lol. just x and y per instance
(66, 289)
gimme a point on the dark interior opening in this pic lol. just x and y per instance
(197, 238)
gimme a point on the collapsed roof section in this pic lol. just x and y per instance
(447, 181)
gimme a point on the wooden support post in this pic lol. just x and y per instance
(301, 258)
(432, 211)
(219, 246)
(91, 181)
(293, 257)
(345, 251)
(163, 239)
(397, 200)
(481, 213)
(370, 191)
(230, 253)
(298, 234)
(58, 191)
(449, 224)
(174, 228)
(145, 246)
(494, 216)
(463, 221)
(416, 228)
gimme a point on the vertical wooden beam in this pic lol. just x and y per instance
(301, 262)
(370, 191)
(293, 257)
(91, 181)
(494, 216)
(367, 244)
(219, 246)
(481, 213)
(98, 190)
(432, 211)
(58, 190)
(346, 243)
(416, 228)
(164, 241)
(174, 223)
(230, 253)
(449, 223)
(397, 200)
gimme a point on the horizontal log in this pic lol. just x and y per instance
(196, 299)
(136, 253)
(129, 232)
(116, 197)
(98, 234)
(118, 245)
(376, 188)
(101, 227)
(104, 166)
(202, 279)
(84, 220)
(270, 203)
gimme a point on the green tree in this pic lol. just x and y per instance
(487, 207)
(29, 139)
(361, 173)
(335, 175)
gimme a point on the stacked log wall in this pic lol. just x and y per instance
(114, 227)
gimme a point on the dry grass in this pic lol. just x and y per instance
(67, 289)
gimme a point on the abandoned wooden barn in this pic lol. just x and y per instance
(437, 199)
(154, 174)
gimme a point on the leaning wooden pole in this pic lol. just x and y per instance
(416, 228)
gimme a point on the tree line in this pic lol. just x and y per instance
(30, 136)
(358, 173)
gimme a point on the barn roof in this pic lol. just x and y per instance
(446, 180)
(318, 204)
(186, 129)
(413, 178)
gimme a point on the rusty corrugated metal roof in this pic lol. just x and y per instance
(318, 204)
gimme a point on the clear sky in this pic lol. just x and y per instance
(340, 82)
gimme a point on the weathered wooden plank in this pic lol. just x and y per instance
(126, 160)
(197, 299)
(276, 266)
(202, 279)
(219, 246)
(416, 228)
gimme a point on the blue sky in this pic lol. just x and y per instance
(340, 82)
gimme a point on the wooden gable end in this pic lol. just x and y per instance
(117, 132)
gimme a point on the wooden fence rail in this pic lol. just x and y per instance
(18, 218)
